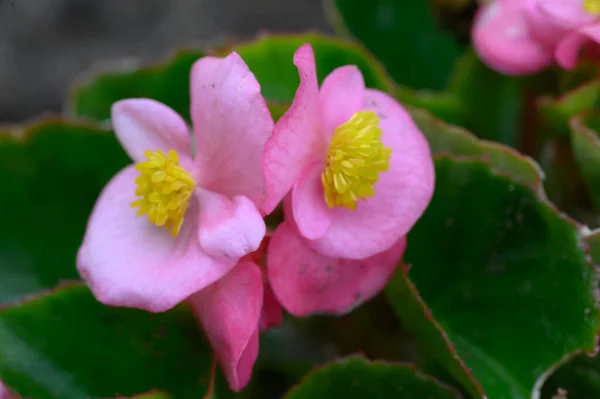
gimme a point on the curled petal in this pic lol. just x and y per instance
(502, 39)
(567, 52)
(296, 141)
(232, 124)
(402, 193)
(144, 124)
(228, 229)
(306, 282)
(229, 312)
(130, 262)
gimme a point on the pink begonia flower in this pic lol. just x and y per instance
(195, 217)
(521, 37)
(359, 175)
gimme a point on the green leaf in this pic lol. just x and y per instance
(52, 173)
(490, 260)
(580, 377)
(356, 377)
(403, 34)
(491, 102)
(586, 148)
(67, 345)
(557, 112)
(447, 139)
(271, 60)
(167, 82)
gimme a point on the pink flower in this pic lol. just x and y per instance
(520, 37)
(359, 175)
(195, 217)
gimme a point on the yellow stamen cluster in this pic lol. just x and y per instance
(165, 188)
(355, 158)
(592, 6)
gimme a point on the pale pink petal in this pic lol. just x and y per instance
(228, 228)
(296, 141)
(143, 124)
(308, 201)
(342, 94)
(568, 51)
(401, 194)
(229, 312)
(232, 124)
(502, 39)
(272, 314)
(306, 282)
(130, 262)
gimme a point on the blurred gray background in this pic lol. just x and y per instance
(45, 44)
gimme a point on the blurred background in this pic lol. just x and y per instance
(45, 44)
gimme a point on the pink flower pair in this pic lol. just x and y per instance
(355, 172)
(520, 37)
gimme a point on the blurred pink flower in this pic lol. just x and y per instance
(521, 37)
(208, 204)
(359, 174)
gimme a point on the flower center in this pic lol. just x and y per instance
(165, 188)
(356, 156)
(592, 6)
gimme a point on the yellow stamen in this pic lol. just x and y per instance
(592, 6)
(165, 188)
(356, 156)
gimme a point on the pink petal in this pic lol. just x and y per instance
(296, 141)
(143, 124)
(232, 124)
(567, 52)
(401, 194)
(342, 94)
(271, 315)
(503, 41)
(229, 311)
(228, 228)
(130, 262)
(306, 282)
(308, 200)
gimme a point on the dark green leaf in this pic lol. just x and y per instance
(152, 395)
(356, 377)
(491, 103)
(558, 112)
(492, 266)
(404, 35)
(52, 173)
(67, 345)
(269, 58)
(166, 82)
(580, 377)
(447, 139)
(586, 148)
